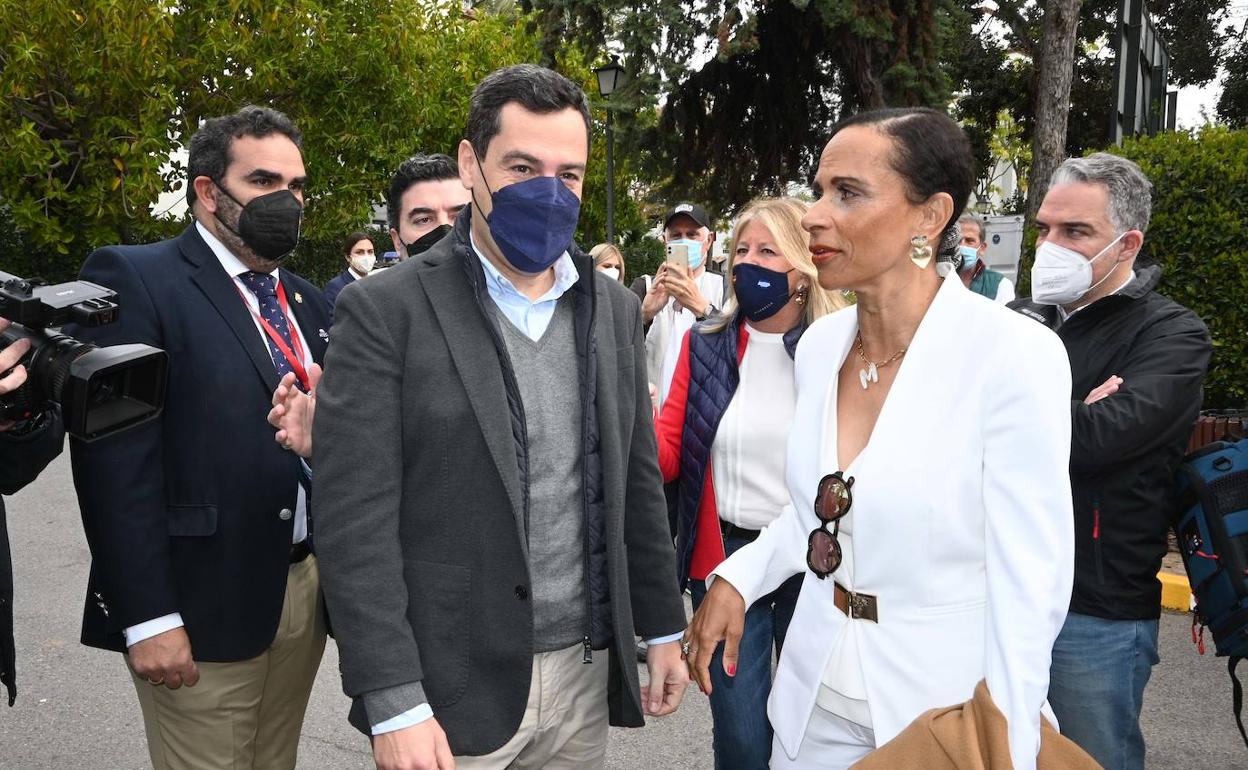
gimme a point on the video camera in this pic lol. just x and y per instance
(100, 390)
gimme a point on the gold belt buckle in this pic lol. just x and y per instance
(863, 607)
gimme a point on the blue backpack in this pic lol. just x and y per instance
(1212, 532)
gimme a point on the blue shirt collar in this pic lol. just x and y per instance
(501, 288)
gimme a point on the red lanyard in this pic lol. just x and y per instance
(293, 357)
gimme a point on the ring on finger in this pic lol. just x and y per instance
(686, 647)
(156, 682)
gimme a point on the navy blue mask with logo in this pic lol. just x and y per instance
(760, 292)
(533, 221)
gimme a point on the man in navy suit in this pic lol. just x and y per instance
(357, 250)
(198, 522)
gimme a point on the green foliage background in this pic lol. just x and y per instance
(1199, 234)
(87, 130)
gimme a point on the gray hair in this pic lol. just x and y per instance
(981, 225)
(1130, 192)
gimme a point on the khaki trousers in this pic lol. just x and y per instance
(565, 721)
(245, 715)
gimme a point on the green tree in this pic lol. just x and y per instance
(1198, 233)
(751, 117)
(995, 68)
(1233, 103)
(87, 118)
(87, 130)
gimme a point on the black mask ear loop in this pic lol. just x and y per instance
(236, 203)
(473, 191)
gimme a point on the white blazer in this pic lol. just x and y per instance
(962, 522)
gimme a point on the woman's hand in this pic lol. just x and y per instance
(721, 617)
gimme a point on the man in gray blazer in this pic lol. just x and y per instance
(485, 589)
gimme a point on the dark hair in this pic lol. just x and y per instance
(209, 152)
(931, 153)
(534, 88)
(352, 239)
(418, 168)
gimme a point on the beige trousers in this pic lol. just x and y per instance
(245, 715)
(565, 722)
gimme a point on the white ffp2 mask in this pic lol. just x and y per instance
(1060, 275)
(611, 272)
(364, 264)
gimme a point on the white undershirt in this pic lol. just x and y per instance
(748, 453)
(843, 690)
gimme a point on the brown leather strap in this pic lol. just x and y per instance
(858, 606)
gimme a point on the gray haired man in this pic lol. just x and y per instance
(1137, 360)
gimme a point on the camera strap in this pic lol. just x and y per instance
(293, 357)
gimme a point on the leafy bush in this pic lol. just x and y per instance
(1199, 234)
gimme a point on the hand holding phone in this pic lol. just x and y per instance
(678, 254)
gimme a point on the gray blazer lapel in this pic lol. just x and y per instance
(472, 349)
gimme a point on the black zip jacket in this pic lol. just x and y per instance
(23, 456)
(1125, 448)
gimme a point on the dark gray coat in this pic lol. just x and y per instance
(420, 498)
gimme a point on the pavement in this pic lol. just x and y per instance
(76, 706)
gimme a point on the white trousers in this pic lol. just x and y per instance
(831, 743)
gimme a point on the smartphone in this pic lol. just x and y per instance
(678, 253)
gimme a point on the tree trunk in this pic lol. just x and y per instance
(1056, 70)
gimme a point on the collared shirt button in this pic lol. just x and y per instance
(285, 514)
(522, 593)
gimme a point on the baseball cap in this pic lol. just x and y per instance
(691, 210)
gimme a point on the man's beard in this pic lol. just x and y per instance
(228, 214)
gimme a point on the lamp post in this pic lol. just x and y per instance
(610, 77)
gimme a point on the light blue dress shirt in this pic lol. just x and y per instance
(531, 316)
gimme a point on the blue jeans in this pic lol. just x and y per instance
(1096, 686)
(741, 732)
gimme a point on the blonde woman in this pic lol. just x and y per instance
(608, 259)
(731, 406)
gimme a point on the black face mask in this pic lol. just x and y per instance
(269, 224)
(426, 241)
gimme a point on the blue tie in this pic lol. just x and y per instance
(265, 288)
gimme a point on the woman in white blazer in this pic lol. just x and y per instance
(947, 419)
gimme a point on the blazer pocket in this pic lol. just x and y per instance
(192, 520)
(439, 611)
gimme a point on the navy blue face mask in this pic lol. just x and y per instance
(760, 292)
(533, 221)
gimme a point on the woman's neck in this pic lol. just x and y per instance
(890, 309)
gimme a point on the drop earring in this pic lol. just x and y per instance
(800, 298)
(920, 251)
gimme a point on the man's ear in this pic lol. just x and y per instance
(1132, 241)
(467, 162)
(398, 245)
(206, 194)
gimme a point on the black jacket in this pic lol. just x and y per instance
(1125, 448)
(22, 458)
(335, 287)
(192, 512)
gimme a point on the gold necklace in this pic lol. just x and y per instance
(872, 372)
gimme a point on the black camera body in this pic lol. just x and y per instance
(100, 390)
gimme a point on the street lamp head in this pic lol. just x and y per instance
(610, 77)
